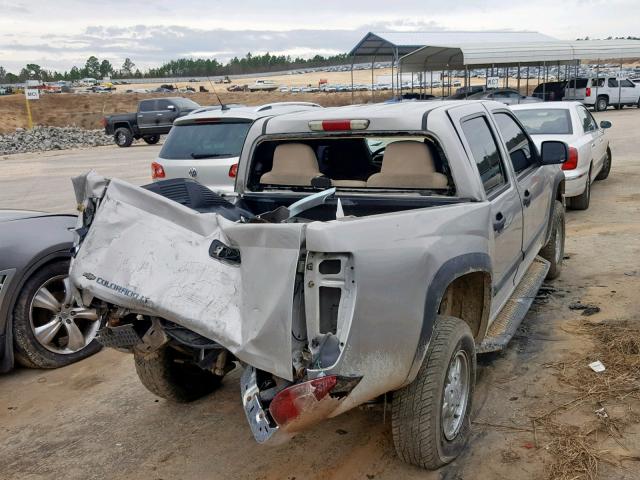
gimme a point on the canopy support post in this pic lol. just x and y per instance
(353, 61)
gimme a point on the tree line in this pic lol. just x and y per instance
(183, 67)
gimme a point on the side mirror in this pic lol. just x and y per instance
(554, 152)
(605, 124)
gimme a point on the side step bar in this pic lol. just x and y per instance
(508, 320)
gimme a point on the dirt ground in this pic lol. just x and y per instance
(534, 409)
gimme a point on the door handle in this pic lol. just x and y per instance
(526, 201)
(499, 222)
(139, 116)
(158, 114)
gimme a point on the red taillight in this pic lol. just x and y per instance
(292, 401)
(157, 171)
(233, 170)
(572, 161)
(588, 92)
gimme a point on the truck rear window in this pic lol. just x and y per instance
(545, 121)
(380, 162)
(206, 140)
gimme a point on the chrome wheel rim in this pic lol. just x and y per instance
(58, 323)
(121, 139)
(455, 397)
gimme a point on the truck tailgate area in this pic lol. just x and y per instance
(152, 255)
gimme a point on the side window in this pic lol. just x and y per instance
(485, 152)
(627, 83)
(147, 105)
(163, 105)
(586, 120)
(518, 145)
(597, 82)
(612, 82)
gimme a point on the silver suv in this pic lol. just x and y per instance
(206, 144)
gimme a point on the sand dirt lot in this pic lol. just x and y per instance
(537, 408)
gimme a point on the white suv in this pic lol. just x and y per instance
(602, 92)
(205, 145)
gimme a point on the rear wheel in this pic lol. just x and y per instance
(151, 139)
(431, 416)
(581, 202)
(602, 103)
(553, 251)
(173, 376)
(123, 137)
(50, 329)
(606, 167)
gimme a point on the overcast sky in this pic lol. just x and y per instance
(60, 33)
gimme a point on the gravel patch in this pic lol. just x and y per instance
(40, 139)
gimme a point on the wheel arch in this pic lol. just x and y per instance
(469, 270)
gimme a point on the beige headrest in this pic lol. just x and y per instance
(408, 164)
(293, 164)
(409, 157)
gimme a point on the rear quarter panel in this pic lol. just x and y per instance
(396, 257)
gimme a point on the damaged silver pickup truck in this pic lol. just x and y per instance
(368, 250)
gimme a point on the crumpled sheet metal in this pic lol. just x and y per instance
(149, 254)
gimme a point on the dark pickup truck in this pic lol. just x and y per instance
(154, 117)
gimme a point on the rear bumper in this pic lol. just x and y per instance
(575, 183)
(309, 410)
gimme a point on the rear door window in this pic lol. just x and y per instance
(484, 150)
(613, 83)
(147, 105)
(207, 140)
(517, 142)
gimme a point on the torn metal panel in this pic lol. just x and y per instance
(151, 255)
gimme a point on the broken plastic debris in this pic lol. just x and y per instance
(602, 413)
(597, 366)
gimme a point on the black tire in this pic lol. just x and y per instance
(28, 351)
(170, 375)
(123, 137)
(553, 251)
(418, 432)
(151, 139)
(602, 103)
(606, 168)
(581, 202)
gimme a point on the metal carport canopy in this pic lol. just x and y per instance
(441, 57)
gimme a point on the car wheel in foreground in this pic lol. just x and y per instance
(581, 202)
(174, 376)
(151, 139)
(606, 167)
(553, 251)
(50, 329)
(602, 104)
(123, 137)
(431, 416)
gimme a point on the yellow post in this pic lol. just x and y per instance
(29, 119)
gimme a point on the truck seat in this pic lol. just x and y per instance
(408, 164)
(293, 164)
